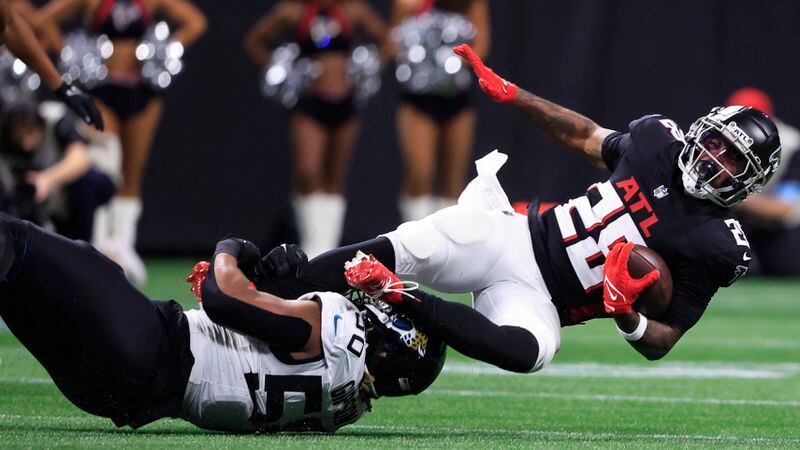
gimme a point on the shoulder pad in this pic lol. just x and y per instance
(656, 126)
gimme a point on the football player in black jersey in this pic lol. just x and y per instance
(529, 277)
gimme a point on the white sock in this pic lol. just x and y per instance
(320, 218)
(334, 209)
(415, 208)
(101, 228)
(125, 212)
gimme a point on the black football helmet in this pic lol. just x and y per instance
(401, 357)
(748, 138)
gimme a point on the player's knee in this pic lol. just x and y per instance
(548, 345)
(525, 351)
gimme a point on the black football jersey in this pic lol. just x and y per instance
(643, 202)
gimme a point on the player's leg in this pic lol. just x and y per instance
(419, 137)
(516, 305)
(137, 133)
(105, 344)
(457, 139)
(456, 249)
(310, 142)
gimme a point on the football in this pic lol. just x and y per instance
(653, 301)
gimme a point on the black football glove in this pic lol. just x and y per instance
(284, 260)
(81, 104)
(247, 255)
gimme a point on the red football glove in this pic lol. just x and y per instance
(494, 86)
(620, 290)
(367, 274)
(196, 279)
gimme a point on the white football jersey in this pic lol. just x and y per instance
(238, 384)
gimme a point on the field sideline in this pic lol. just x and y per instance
(734, 381)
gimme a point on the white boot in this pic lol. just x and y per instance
(320, 218)
(125, 212)
(415, 208)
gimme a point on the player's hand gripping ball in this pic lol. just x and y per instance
(620, 288)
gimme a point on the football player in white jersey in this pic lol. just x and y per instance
(308, 364)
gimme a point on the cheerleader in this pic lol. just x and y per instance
(324, 124)
(130, 108)
(436, 130)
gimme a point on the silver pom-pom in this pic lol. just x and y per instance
(17, 82)
(364, 71)
(161, 57)
(426, 63)
(83, 59)
(287, 75)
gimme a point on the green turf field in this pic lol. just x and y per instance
(733, 381)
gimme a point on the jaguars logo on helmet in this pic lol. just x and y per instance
(401, 357)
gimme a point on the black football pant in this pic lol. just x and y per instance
(102, 341)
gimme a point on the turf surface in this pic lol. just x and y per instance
(733, 381)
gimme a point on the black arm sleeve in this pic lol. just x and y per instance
(474, 335)
(284, 332)
(691, 292)
(326, 271)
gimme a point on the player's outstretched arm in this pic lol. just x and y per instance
(230, 300)
(559, 124)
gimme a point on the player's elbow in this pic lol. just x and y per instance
(655, 355)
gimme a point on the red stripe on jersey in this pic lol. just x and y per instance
(594, 287)
(605, 219)
(586, 312)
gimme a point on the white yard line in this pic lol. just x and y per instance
(613, 398)
(576, 435)
(580, 435)
(655, 370)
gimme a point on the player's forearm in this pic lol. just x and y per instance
(20, 39)
(658, 338)
(229, 301)
(559, 124)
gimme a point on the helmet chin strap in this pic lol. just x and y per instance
(693, 187)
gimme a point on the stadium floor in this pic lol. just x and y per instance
(733, 381)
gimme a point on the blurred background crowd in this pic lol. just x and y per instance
(330, 121)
